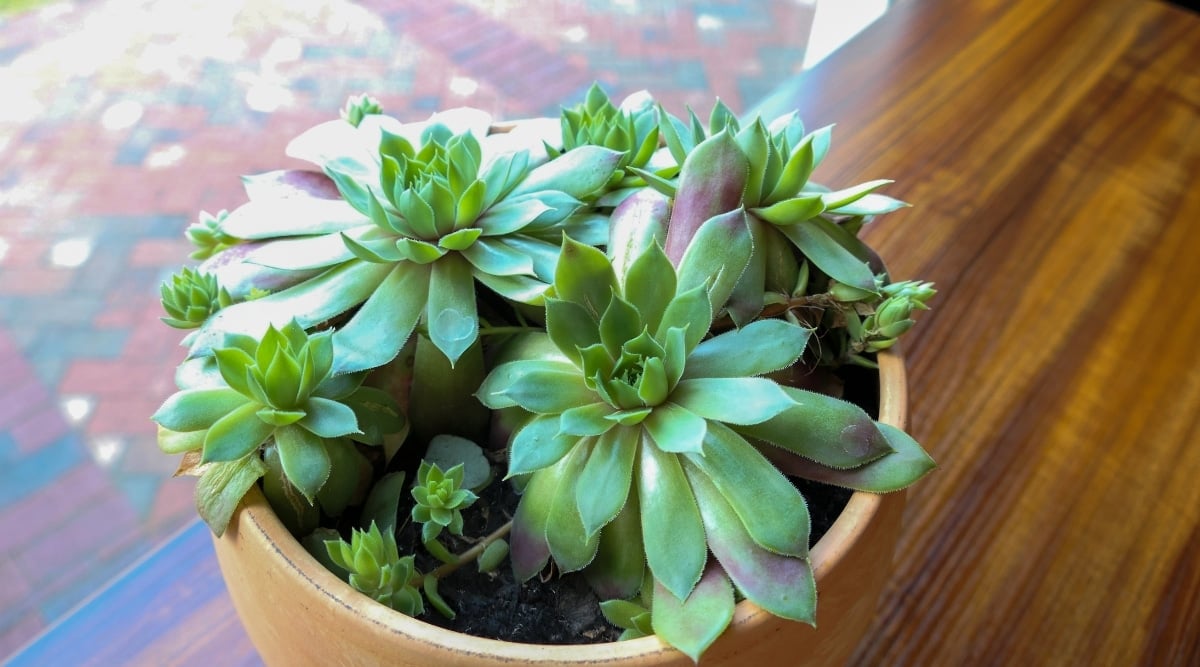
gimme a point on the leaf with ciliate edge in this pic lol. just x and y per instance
(307, 252)
(717, 256)
(650, 284)
(309, 303)
(619, 324)
(348, 469)
(570, 545)
(794, 173)
(585, 277)
(732, 400)
(542, 387)
(840, 198)
(676, 429)
(694, 623)
(761, 347)
(537, 445)
(377, 331)
(580, 172)
(827, 430)
(492, 256)
(829, 255)
(304, 459)
(571, 327)
(771, 509)
(871, 204)
(893, 472)
(450, 314)
(511, 215)
(791, 211)
(783, 585)
(712, 181)
(619, 567)
(328, 419)
(637, 223)
(591, 419)
(236, 434)
(672, 530)
(222, 486)
(606, 477)
(197, 409)
(530, 551)
(692, 313)
(521, 289)
(543, 254)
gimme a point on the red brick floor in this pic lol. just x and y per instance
(120, 120)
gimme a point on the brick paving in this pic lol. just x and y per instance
(122, 119)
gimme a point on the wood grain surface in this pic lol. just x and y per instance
(1052, 151)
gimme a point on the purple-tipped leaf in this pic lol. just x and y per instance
(893, 472)
(634, 226)
(771, 509)
(783, 585)
(711, 182)
(284, 183)
(827, 430)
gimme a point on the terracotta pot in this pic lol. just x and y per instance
(298, 613)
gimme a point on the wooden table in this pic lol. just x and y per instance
(1052, 150)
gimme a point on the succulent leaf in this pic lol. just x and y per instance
(672, 531)
(606, 477)
(761, 347)
(693, 623)
(827, 430)
(221, 487)
(771, 509)
(783, 585)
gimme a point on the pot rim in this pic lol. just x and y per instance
(304, 570)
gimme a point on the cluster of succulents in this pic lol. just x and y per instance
(613, 300)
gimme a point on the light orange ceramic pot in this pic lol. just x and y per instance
(298, 613)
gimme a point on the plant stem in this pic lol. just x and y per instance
(473, 553)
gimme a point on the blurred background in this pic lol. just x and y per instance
(121, 120)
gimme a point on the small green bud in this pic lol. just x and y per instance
(917, 293)
(893, 310)
(359, 107)
(190, 297)
(207, 236)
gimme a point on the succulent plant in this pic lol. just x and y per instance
(376, 569)
(279, 388)
(631, 129)
(620, 314)
(440, 500)
(206, 235)
(190, 297)
(359, 107)
(419, 222)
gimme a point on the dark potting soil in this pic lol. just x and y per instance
(550, 609)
